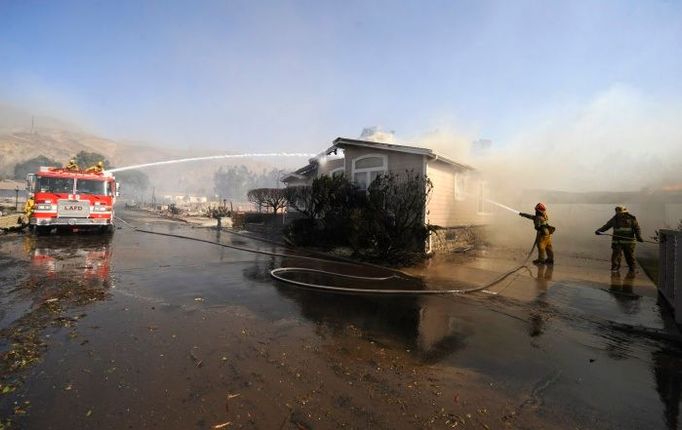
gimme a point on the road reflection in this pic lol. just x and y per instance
(65, 273)
(87, 258)
(426, 325)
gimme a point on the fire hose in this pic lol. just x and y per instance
(277, 273)
(655, 333)
(624, 237)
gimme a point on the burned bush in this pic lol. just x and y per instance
(326, 205)
(385, 222)
(394, 217)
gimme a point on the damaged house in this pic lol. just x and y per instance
(458, 201)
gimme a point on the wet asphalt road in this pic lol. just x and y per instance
(145, 331)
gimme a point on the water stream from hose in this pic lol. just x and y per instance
(503, 206)
(212, 157)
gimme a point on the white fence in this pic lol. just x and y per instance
(670, 270)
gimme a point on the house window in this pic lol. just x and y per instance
(460, 186)
(483, 207)
(367, 168)
(338, 172)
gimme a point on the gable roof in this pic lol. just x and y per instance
(302, 173)
(342, 142)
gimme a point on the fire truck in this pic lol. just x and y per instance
(71, 199)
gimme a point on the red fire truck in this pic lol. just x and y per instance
(71, 199)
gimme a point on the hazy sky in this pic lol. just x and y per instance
(283, 75)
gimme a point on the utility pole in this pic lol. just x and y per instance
(16, 198)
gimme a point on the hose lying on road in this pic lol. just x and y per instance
(277, 273)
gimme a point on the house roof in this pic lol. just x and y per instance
(342, 142)
(303, 172)
(292, 177)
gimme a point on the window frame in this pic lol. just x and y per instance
(368, 170)
(482, 206)
(460, 184)
(102, 187)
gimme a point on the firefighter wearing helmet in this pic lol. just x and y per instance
(625, 232)
(97, 168)
(543, 237)
(72, 165)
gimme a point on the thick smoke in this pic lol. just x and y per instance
(621, 140)
(619, 144)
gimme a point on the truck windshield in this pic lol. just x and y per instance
(87, 186)
(46, 184)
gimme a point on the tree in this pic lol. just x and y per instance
(330, 206)
(32, 166)
(234, 182)
(257, 197)
(275, 198)
(132, 181)
(326, 193)
(86, 159)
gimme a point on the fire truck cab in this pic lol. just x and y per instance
(71, 199)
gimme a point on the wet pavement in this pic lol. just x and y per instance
(145, 331)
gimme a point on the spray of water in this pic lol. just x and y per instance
(211, 157)
(503, 206)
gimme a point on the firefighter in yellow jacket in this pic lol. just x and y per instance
(626, 233)
(29, 206)
(543, 238)
(72, 166)
(97, 168)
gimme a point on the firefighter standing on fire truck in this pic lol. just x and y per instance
(543, 238)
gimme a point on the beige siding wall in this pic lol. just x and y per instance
(443, 209)
(398, 162)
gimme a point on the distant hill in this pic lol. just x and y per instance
(60, 140)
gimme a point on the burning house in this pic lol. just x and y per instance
(458, 201)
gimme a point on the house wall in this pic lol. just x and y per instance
(443, 208)
(398, 162)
